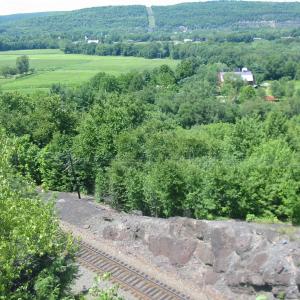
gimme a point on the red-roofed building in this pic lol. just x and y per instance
(270, 98)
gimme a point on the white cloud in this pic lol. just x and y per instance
(21, 6)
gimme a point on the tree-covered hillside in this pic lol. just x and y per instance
(127, 20)
(91, 21)
(18, 17)
(226, 14)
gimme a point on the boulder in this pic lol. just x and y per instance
(238, 259)
(178, 251)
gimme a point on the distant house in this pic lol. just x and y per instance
(188, 40)
(93, 41)
(244, 74)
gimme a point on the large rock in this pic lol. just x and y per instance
(239, 259)
(178, 251)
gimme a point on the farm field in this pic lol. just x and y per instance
(53, 66)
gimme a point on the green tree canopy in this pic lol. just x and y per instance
(22, 64)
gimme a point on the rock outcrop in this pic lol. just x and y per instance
(238, 260)
(241, 260)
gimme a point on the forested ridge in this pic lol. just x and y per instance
(220, 14)
(93, 21)
(130, 23)
(171, 17)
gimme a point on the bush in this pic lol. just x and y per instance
(36, 257)
(8, 71)
(55, 165)
(22, 64)
(104, 293)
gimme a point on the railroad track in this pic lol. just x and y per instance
(127, 277)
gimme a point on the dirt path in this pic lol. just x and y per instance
(151, 18)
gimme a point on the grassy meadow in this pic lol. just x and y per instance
(53, 66)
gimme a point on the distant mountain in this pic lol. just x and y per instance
(120, 20)
(90, 21)
(220, 14)
(18, 17)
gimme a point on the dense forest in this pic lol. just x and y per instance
(220, 14)
(90, 21)
(166, 142)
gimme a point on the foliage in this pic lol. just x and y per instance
(55, 166)
(246, 172)
(131, 23)
(158, 136)
(226, 14)
(36, 258)
(22, 67)
(104, 293)
(261, 297)
(166, 142)
(94, 146)
(18, 106)
(25, 158)
(8, 71)
(22, 64)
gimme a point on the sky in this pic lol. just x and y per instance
(21, 6)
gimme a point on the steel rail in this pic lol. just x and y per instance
(127, 277)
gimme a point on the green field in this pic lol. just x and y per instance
(53, 66)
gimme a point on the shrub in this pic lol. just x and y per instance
(36, 257)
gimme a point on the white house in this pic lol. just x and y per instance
(245, 74)
(93, 41)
